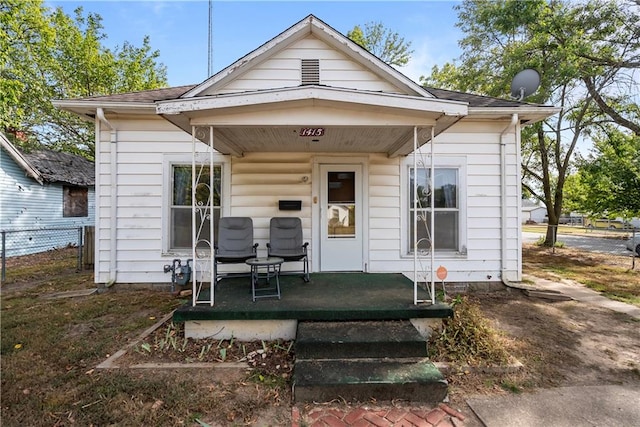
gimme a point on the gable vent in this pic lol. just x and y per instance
(310, 72)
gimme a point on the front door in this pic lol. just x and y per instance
(341, 235)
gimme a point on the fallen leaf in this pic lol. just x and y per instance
(17, 346)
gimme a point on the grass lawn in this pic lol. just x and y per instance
(50, 347)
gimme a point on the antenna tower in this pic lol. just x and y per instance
(210, 41)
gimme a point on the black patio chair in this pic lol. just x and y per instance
(235, 243)
(285, 241)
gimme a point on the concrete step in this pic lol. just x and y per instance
(365, 379)
(363, 339)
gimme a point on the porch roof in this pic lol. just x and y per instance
(344, 120)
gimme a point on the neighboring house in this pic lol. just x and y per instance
(532, 211)
(304, 115)
(41, 190)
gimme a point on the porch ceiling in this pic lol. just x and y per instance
(337, 120)
(334, 139)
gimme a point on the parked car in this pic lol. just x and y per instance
(633, 244)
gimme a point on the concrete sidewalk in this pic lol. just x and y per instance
(581, 293)
(607, 405)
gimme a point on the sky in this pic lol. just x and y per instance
(179, 29)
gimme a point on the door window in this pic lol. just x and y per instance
(341, 205)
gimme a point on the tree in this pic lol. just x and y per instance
(46, 55)
(608, 181)
(382, 42)
(587, 54)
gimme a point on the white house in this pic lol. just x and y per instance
(306, 112)
(533, 211)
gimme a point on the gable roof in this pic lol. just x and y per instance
(171, 93)
(311, 25)
(530, 205)
(152, 96)
(52, 166)
(265, 90)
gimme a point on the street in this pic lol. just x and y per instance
(586, 243)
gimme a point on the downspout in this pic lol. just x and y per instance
(113, 213)
(503, 199)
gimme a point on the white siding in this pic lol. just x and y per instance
(478, 143)
(283, 70)
(142, 149)
(259, 180)
(384, 213)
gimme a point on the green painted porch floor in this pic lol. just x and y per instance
(327, 297)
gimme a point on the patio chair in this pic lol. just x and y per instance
(235, 243)
(285, 241)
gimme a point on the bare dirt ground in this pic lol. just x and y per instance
(558, 343)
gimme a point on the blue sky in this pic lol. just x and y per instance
(179, 29)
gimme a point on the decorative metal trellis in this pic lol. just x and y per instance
(422, 214)
(202, 217)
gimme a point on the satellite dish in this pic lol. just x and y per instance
(524, 84)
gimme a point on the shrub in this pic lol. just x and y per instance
(467, 337)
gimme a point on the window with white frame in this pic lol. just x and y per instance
(446, 185)
(180, 222)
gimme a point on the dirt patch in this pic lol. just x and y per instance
(568, 343)
(168, 344)
(559, 344)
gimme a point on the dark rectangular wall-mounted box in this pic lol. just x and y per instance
(290, 205)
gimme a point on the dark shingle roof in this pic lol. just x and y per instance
(62, 167)
(475, 100)
(151, 95)
(154, 95)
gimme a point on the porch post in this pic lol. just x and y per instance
(433, 217)
(211, 219)
(415, 215)
(202, 215)
(194, 233)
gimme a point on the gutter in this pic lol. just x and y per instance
(503, 198)
(113, 214)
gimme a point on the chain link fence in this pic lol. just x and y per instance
(613, 242)
(24, 249)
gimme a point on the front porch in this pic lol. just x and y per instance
(346, 326)
(327, 297)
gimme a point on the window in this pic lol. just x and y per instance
(341, 202)
(180, 215)
(75, 201)
(446, 209)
